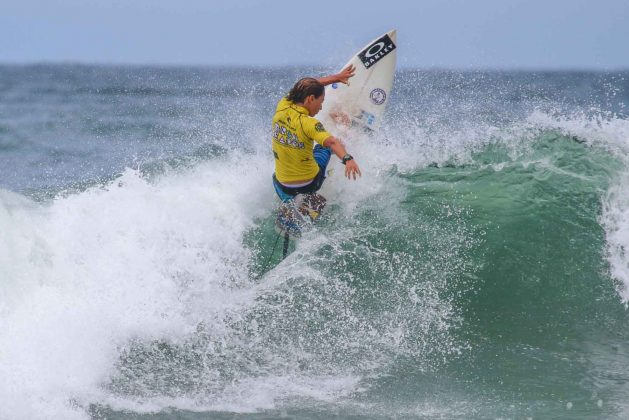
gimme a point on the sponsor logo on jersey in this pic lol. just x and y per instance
(286, 137)
(378, 96)
(376, 51)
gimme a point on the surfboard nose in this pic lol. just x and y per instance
(393, 34)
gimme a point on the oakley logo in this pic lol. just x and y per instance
(376, 51)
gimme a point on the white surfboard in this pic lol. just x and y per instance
(363, 102)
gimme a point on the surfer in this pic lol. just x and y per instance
(300, 167)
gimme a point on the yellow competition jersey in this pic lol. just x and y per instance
(294, 134)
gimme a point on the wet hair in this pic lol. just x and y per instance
(304, 88)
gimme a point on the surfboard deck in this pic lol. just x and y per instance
(362, 103)
(347, 110)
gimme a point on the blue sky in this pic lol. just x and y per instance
(460, 34)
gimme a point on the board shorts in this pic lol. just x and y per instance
(322, 157)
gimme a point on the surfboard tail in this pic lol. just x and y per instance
(297, 216)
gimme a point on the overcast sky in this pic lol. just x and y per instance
(461, 34)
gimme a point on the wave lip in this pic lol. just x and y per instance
(615, 220)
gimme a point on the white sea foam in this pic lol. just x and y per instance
(247, 396)
(615, 220)
(89, 273)
(133, 260)
(85, 273)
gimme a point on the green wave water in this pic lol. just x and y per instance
(487, 283)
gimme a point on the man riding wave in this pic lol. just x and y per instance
(300, 167)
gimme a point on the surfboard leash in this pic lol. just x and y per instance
(285, 248)
(268, 260)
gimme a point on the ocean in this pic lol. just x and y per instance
(478, 269)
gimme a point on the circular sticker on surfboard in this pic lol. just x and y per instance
(378, 96)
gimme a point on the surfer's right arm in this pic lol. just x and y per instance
(351, 167)
(342, 77)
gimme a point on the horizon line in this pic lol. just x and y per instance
(470, 68)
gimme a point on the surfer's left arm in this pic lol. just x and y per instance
(342, 77)
(351, 167)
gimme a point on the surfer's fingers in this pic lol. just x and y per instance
(347, 73)
(350, 172)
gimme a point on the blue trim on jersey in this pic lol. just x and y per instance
(322, 156)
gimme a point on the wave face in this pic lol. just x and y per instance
(478, 269)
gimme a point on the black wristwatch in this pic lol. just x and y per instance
(347, 158)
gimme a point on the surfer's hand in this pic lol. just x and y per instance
(351, 169)
(343, 76)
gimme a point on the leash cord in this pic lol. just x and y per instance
(268, 260)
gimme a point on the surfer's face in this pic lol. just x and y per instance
(314, 104)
